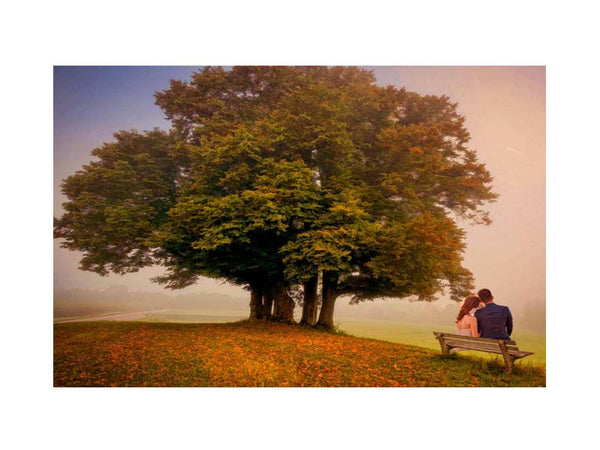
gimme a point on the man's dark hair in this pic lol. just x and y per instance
(485, 295)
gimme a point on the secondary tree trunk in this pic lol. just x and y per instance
(330, 293)
(256, 295)
(283, 304)
(267, 303)
(309, 308)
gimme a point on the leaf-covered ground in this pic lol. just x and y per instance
(258, 354)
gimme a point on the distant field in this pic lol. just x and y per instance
(166, 315)
(200, 316)
(422, 336)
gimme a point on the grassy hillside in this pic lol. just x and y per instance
(391, 330)
(257, 354)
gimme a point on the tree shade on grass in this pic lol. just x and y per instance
(274, 178)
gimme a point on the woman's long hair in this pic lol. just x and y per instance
(470, 302)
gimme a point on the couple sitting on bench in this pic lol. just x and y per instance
(483, 326)
(479, 316)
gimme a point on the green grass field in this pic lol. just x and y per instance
(422, 336)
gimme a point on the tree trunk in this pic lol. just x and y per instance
(255, 303)
(284, 305)
(309, 308)
(276, 304)
(330, 281)
(267, 303)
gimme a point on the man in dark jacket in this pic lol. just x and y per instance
(493, 321)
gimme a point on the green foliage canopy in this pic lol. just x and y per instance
(272, 174)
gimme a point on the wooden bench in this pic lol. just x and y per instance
(508, 349)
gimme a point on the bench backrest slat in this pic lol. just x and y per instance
(478, 339)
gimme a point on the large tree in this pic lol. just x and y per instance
(275, 177)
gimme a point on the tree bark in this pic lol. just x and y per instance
(256, 295)
(283, 304)
(309, 308)
(330, 294)
(267, 303)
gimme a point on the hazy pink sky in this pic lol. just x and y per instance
(505, 109)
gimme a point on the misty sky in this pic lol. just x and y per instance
(505, 109)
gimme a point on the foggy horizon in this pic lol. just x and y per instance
(118, 299)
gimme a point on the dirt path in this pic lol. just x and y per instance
(118, 317)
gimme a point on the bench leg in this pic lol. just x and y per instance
(445, 348)
(509, 363)
(508, 360)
